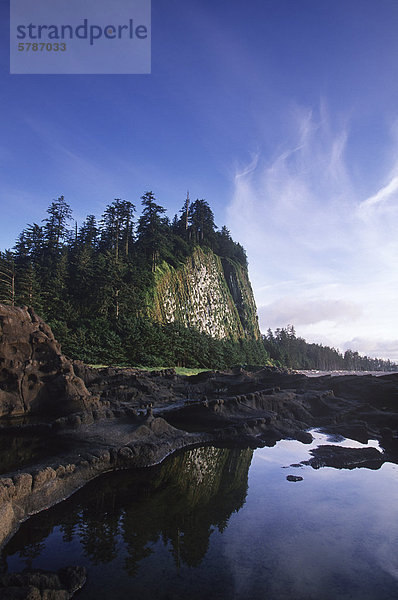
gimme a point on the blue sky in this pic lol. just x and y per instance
(283, 114)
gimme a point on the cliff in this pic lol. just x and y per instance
(208, 293)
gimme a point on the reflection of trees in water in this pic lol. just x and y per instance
(21, 449)
(98, 538)
(180, 502)
(32, 551)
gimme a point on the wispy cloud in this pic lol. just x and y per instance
(303, 222)
(389, 191)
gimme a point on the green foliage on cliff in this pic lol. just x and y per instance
(142, 341)
(208, 293)
(137, 291)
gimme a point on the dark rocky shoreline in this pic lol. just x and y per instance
(81, 422)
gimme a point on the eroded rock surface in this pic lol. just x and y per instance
(65, 423)
(35, 378)
(42, 585)
(345, 458)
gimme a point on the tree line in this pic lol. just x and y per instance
(92, 283)
(285, 348)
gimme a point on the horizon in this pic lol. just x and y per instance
(282, 115)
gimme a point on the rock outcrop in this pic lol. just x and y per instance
(345, 458)
(213, 295)
(88, 450)
(35, 378)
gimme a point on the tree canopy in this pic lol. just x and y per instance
(92, 283)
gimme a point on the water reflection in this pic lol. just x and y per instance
(21, 449)
(181, 503)
(198, 526)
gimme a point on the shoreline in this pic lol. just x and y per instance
(65, 424)
(337, 373)
(182, 412)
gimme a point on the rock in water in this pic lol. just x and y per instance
(340, 457)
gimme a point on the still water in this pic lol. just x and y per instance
(220, 523)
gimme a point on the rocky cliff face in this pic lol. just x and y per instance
(211, 294)
(34, 376)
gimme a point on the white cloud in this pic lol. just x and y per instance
(385, 193)
(305, 312)
(320, 256)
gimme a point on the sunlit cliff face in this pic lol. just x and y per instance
(211, 295)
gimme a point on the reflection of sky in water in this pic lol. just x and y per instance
(332, 535)
(292, 451)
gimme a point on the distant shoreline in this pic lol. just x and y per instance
(336, 373)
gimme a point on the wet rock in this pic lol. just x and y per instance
(42, 477)
(125, 453)
(303, 436)
(294, 478)
(72, 578)
(340, 457)
(23, 483)
(42, 585)
(20, 593)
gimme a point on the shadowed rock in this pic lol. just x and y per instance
(81, 422)
(42, 585)
(35, 378)
(294, 478)
(340, 457)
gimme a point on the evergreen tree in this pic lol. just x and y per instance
(224, 241)
(7, 277)
(56, 229)
(180, 224)
(288, 350)
(32, 243)
(117, 227)
(88, 233)
(152, 230)
(93, 284)
(201, 222)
